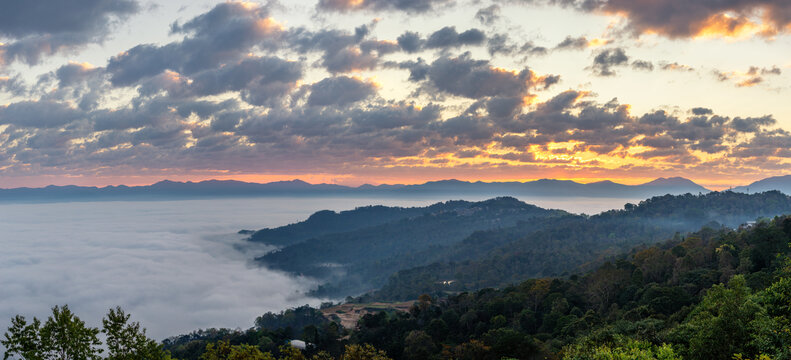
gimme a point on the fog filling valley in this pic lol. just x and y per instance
(175, 266)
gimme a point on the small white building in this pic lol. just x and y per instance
(299, 344)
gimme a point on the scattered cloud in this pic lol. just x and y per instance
(675, 66)
(37, 29)
(573, 43)
(605, 60)
(753, 76)
(411, 6)
(643, 65)
(488, 15)
(340, 90)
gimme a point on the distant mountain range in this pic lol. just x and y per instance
(450, 188)
(780, 183)
(445, 188)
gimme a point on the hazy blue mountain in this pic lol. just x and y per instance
(779, 183)
(371, 248)
(563, 244)
(450, 188)
(410, 251)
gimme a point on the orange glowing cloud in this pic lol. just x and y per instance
(732, 20)
(597, 42)
(728, 26)
(344, 4)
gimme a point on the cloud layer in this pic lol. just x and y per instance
(179, 272)
(40, 28)
(235, 91)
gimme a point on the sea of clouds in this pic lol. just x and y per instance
(176, 266)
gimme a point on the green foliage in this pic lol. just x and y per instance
(296, 318)
(555, 245)
(127, 341)
(363, 352)
(222, 350)
(24, 339)
(370, 254)
(720, 323)
(65, 337)
(623, 349)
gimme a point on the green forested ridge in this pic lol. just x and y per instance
(329, 222)
(363, 259)
(714, 294)
(461, 246)
(562, 244)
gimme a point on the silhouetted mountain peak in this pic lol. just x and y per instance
(672, 181)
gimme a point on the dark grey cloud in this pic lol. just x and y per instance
(82, 84)
(381, 47)
(228, 32)
(448, 37)
(418, 69)
(340, 90)
(675, 66)
(685, 19)
(475, 79)
(753, 76)
(488, 15)
(775, 143)
(257, 79)
(529, 48)
(680, 19)
(752, 125)
(46, 27)
(502, 44)
(268, 118)
(411, 6)
(573, 43)
(342, 51)
(13, 85)
(755, 71)
(38, 114)
(702, 111)
(643, 65)
(606, 59)
(410, 42)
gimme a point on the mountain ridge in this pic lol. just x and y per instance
(168, 189)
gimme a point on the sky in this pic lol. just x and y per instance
(100, 92)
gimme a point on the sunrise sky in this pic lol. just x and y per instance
(98, 92)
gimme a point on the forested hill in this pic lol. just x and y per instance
(461, 246)
(361, 257)
(564, 244)
(715, 294)
(327, 222)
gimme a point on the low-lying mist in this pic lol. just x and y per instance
(176, 266)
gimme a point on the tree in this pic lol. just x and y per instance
(222, 350)
(127, 341)
(62, 337)
(472, 350)
(720, 324)
(364, 352)
(418, 346)
(23, 339)
(622, 349)
(289, 352)
(65, 337)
